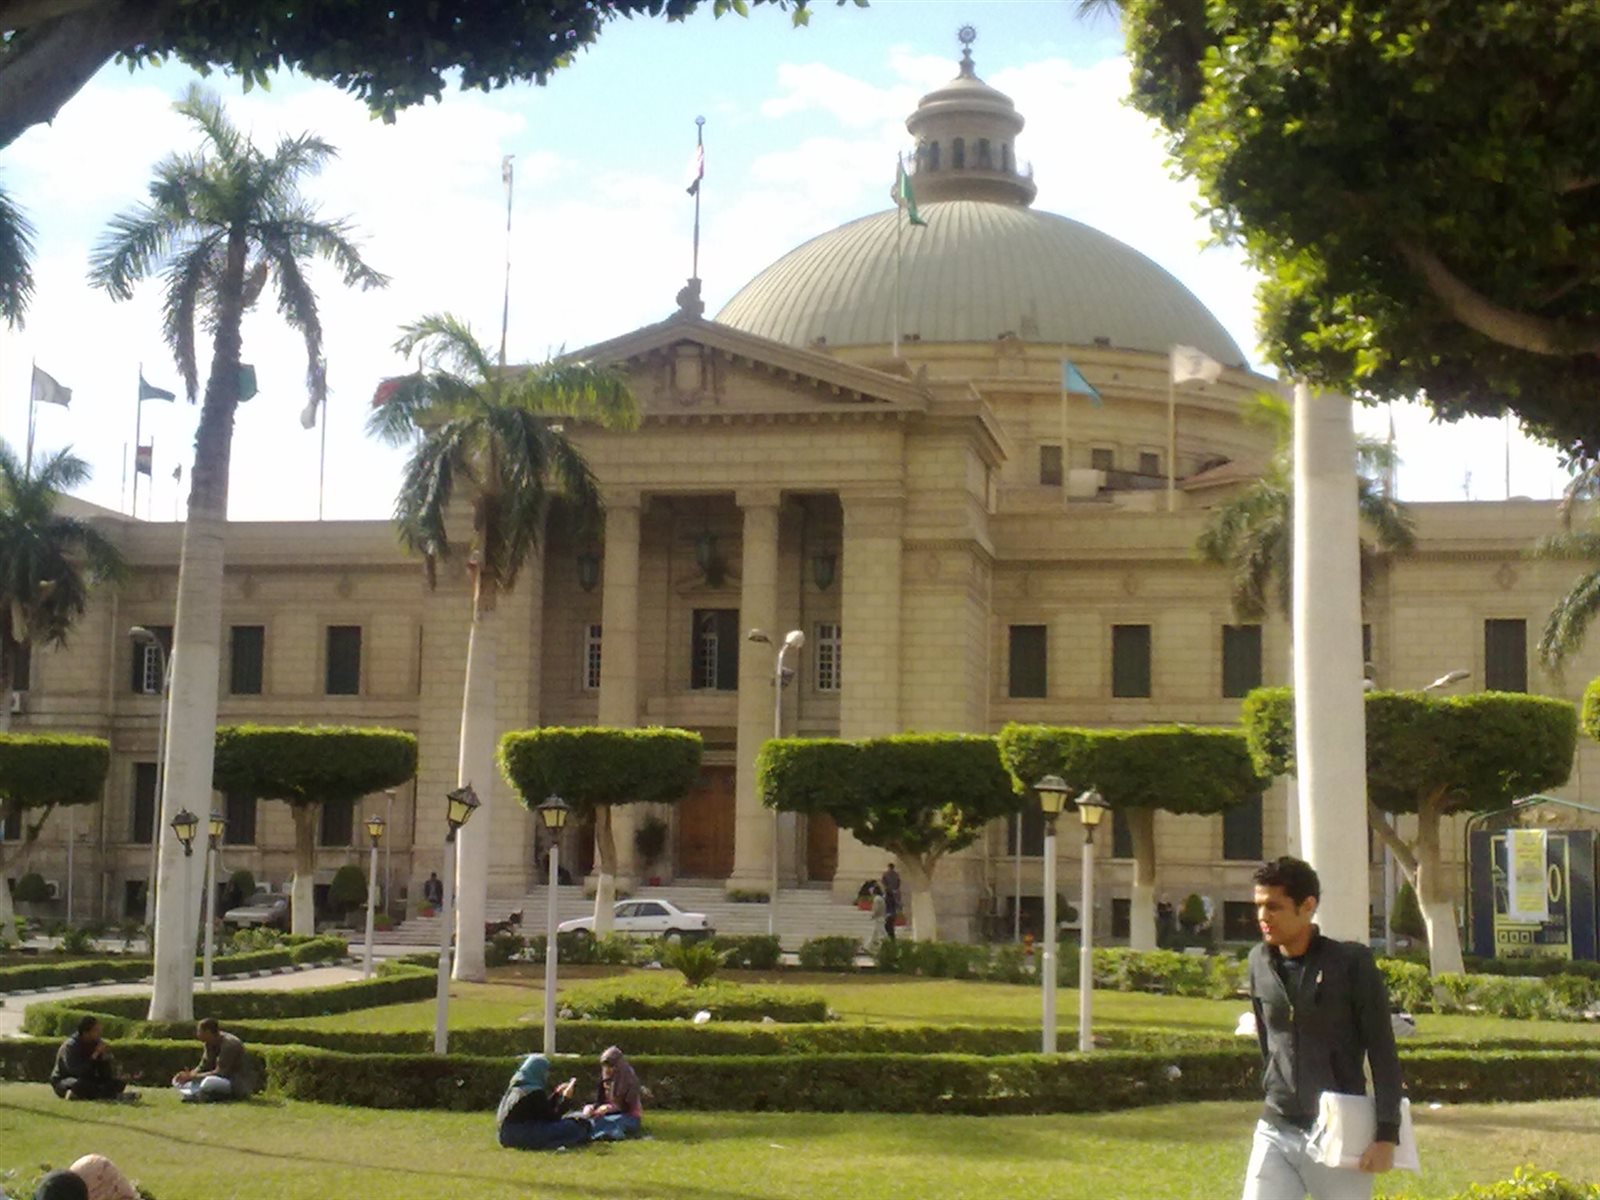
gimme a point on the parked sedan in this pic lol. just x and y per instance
(264, 908)
(647, 918)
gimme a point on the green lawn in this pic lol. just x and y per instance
(268, 1150)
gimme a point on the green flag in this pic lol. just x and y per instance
(149, 391)
(905, 198)
(247, 381)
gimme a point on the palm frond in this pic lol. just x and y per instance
(426, 487)
(188, 278)
(297, 305)
(204, 108)
(444, 341)
(1569, 620)
(598, 395)
(1584, 486)
(308, 234)
(16, 262)
(133, 246)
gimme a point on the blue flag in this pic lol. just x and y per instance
(1072, 380)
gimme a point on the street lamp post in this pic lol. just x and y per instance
(375, 828)
(793, 640)
(186, 825)
(1091, 807)
(459, 807)
(144, 637)
(553, 813)
(1052, 791)
(214, 830)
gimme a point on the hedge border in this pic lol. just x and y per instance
(31, 977)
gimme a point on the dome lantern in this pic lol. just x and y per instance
(966, 135)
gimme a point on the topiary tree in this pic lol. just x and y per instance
(920, 796)
(1434, 756)
(40, 772)
(307, 768)
(241, 886)
(1192, 915)
(1170, 767)
(595, 769)
(31, 889)
(348, 890)
(1406, 918)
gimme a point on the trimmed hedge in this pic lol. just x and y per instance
(34, 976)
(658, 998)
(42, 769)
(1559, 997)
(321, 764)
(594, 766)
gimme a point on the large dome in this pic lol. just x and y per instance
(977, 270)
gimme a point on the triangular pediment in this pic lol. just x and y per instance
(687, 366)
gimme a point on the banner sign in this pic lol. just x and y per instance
(1528, 889)
(1518, 914)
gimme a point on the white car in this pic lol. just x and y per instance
(646, 918)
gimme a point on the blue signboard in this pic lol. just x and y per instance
(1569, 929)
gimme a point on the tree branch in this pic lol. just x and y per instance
(24, 14)
(1403, 854)
(1507, 326)
(45, 65)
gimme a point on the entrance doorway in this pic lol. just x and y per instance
(822, 848)
(705, 826)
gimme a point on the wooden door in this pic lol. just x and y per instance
(822, 848)
(705, 826)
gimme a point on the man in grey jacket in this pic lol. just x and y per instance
(1321, 1008)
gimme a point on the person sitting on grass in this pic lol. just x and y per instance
(532, 1116)
(224, 1071)
(84, 1069)
(618, 1110)
(92, 1177)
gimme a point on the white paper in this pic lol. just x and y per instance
(1345, 1128)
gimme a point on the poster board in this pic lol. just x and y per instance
(1567, 930)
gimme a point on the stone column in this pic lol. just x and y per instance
(619, 654)
(758, 609)
(1330, 717)
(870, 658)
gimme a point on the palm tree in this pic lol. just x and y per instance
(496, 435)
(16, 266)
(1568, 623)
(1252, 535)
(48, 563)
(219, 225)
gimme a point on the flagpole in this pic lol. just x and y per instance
(1172, 442)
(322, 461)
(1066, 456)
(27, 468)
(505, 304)
(122, 495)
(699, 143)
(138, 433)
(899, 234)
(1389, 480)
(150, 500)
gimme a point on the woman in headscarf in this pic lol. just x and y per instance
(618, 1110)
(532, 1116)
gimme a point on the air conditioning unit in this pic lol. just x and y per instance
(19, 702)
(53, 887)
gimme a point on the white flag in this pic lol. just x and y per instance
(47, 391)
(1189, 363)
(308, 416)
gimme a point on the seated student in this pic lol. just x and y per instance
(618, 1110)
(224, 1071)
(104, 1181)
(532, 1117)
(84, 1069)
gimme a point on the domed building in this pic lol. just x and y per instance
(870, 444)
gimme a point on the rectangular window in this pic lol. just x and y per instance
(1121, 916)
(1103, 458)
(826, 665)
(714, 664)
(344, 660)
(22, 668)
(338, 824)
(591, 657)
(1130, 661)
(1029, 655)
(10, 822)
(1032, 832)
(1505, 656)
(247, 653)
(241, 814)
(1366, 644)
(143, 826)
(1050, 466)
(1241, 660)
(1149, 463)
(147, 660)
(1241, 831)
(1121, 835)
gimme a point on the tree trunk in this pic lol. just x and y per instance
(302, 893)
(919, 878)
(476, 765)
(8, 650)
(197, 654)
(1444, 939)
(1142, 906)
(605, 892)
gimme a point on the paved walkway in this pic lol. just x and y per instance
(13, 1007)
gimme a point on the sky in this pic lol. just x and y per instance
(802, 128)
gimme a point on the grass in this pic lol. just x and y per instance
(268, 1150)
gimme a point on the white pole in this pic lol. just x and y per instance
(1086, 946)
(777, 732)
(72, 837)
(1016, 886)
(1388, 900)
(899, 222)
(1066, 443)
(160, 798)
(388, 856)
(550, 948)
(441, 1016)
(1172, 444)
(210, 916)
(372, 909)
(1047, 956)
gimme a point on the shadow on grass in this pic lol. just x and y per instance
(77, 1119)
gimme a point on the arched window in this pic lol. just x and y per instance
(985, 162)
(933, 156)
(958, 153)
(922, 157)
(1005, 157)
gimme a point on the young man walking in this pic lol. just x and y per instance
(1321, 1008)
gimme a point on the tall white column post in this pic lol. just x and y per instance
(372, 910)
(1086, 947)
(1047, 953)
(1330, 720)
(551, 940)
(753, 841)
(619, 671)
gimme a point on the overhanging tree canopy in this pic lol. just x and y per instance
(919, 796)
(1415, 178)
(1180, 769)
(1434, 756)
(40, 772)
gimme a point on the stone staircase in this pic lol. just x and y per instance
(802, 913)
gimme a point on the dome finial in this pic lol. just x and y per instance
(966, 35)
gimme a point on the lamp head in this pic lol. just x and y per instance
(758, 635)
(1448, 678)
(588, 570)
(1052, 791)
(186, 825)
(216, 826)
(554, 813)
(143, 636)
(1092, 807)
(824, 569)
(794, 640)
(459, 807)
(375, 827)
